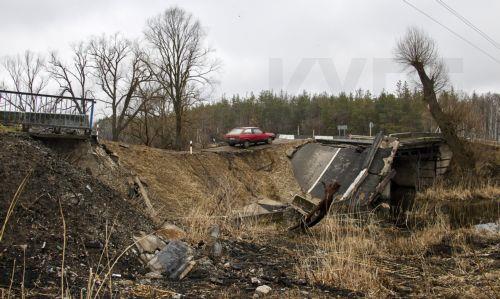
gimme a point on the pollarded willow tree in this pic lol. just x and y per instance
(418, 52)
(179, 61)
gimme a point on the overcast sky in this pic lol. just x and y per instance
(292, 45)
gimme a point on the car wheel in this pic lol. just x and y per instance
(269, 140)
(246, 144)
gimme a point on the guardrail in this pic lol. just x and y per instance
(45, 110)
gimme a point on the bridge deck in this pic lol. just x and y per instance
(46, 111)
(74, 121)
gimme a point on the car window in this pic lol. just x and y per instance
(235, 131)
(247, 131)
(257, 131)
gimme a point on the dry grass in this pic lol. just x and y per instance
(381, 260)
(220, 209)
(341, 254)
(5, 129)
(460, 192)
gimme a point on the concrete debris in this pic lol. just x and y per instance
(146, 257)
(491, 227)
(171, 232)
(265, 209)
(73, 198)
(321, 210)
(148, 243)
(175, 260)
(214, 247)
(263, 290)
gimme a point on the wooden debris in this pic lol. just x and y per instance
(321, 210)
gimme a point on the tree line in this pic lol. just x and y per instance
(474, 116)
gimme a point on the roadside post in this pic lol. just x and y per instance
(191, 147)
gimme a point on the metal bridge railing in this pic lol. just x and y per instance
(46, 110)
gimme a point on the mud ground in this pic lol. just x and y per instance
(97, 219)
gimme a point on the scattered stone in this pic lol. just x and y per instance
(124, 145)
(302, 282)
(171, 232)
(216, 249)
(175, 260)
(94, 244)
(153, 275)
(236, 267)
(255, 280)
(148, 243)
(227, 265)
(263, 290)
(216, 280)
(214, 231)
(126, 282)
(73, 198)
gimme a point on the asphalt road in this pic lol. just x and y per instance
(227, 148)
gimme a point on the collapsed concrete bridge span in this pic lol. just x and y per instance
(369, 168)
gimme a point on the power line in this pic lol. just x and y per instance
(453, 32)
(469, 23)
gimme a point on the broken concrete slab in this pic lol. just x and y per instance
(148, 243)
(359, 170)
(263, 290)
(175, 260)
(265, 209)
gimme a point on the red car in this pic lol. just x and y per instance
(248, 135)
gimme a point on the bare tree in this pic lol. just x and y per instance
(146, 126)
(118, 67)
(179, 60)
(26, 74)
(73, 78)
(418, 51)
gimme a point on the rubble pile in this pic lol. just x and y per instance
(99, 222)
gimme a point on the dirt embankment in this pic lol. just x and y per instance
(178, 181)
(97, 218)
